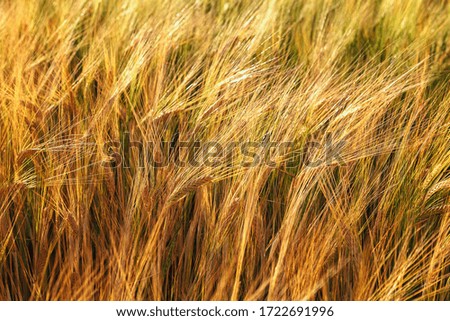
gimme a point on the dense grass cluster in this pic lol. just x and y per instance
(371, 223)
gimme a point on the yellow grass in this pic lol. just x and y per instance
(84, 219)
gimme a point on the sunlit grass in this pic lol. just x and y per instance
(371, 223)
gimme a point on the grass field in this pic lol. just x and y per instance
(224, 150)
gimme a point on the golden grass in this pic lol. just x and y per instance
(371, 223)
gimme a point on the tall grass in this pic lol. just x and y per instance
(371, 224)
